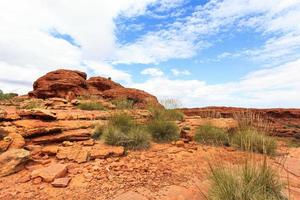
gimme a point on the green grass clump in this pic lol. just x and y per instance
(32, 105)
(98, 131)
(91, 106)
(251, 182)
(254, 141)
(123, 103)
(163, 131)
(208, 134)
(122, 131)
(6, 96)
(122, 121)
(166, 114)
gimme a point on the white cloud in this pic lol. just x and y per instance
(155, 72)
(177, 72)
(272, 87)
(28, 50)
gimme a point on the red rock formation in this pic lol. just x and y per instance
(282, 122)
(69, 84)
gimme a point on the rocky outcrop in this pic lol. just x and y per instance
(13, 161)
(69, 84)
(279, 121)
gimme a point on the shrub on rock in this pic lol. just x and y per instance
(122, 131)
(163, 131)
(91, 106)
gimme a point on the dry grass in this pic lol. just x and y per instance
(91, 106)
(208, 134)
(249, 182)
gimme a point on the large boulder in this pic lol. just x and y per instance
(69, 84)
(12, 161)
(138, 97)
(60, 83)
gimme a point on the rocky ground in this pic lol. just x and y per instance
(47, 150)
(63, 162)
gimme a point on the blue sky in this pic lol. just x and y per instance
(213, 52)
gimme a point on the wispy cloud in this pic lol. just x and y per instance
(155, 72)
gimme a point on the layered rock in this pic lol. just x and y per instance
(279, 121)
(69, 84)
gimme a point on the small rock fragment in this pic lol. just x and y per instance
(61, 182)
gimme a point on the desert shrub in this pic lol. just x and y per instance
(123, 103)
(6, 96)
(255, 141)
(122, 121)
(32, 105)
(166, 114)
(208, 134)
(98, 131)
(91, 106)
(122, 131)
(138, 138)
(163, 131)
(250, 182)
(113, 135)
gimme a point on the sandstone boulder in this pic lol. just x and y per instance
(60, 83)
(37, 114)
(48, 174)
(13, 161)
(69, 84)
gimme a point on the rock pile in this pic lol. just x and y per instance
(70, 84)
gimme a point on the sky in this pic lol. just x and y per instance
(243, 53)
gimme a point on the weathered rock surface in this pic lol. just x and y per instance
(61, 182)
(281, 122)
(13, 161)
(37, 114)
(69, 84)
(48, 174)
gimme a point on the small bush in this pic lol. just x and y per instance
(123, 103)
(165, 114)
(115, 136)
(123, 121)
(138, 138)
(122, 131)
(6, 96)
(251, 182)
(163, 131)
(98, 131)
(255, 141)
(32, 105)
(91, 106)
(211, 135)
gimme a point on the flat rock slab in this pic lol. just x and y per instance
(37, 114)
(61, 182)
(103, 151)
(12, 161)
(71, 135)
(48, 174)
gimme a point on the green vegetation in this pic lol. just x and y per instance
(122, 131)
(123, 103)
(166, 114)
(6, 96)
(98, 131)
(163, 131)
(251, 182)
(255, 141)
(32, 105)
(91, 106)
(208, 134)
